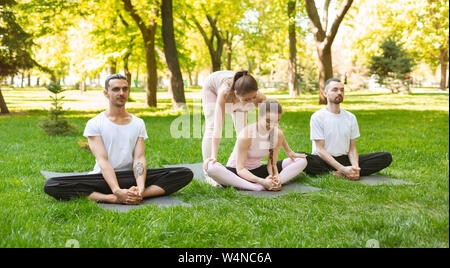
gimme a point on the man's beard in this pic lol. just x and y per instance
(338, 100)
(117, 104)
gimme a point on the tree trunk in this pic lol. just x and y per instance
(126, 70)
(83, 85)
(250, 63)
(292, 67)
(152, 73)
(128, 75)
(176, 86)
(229, 53)
(29, 80)
(113, 67)
(196, 79)
(229, 49)
(325, 71)
(189, 72)
(3, 107)
(214, 51)
(216, 60)
(22, 79)
(323, 39)
(148, 35)
(137, 76)
(442, 60)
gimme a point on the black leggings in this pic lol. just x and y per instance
(369, 163)
(260, 171)
(65, 188)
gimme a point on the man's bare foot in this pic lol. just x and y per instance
(104, 198)
(352, 178)
(338, 174)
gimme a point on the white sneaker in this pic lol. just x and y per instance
(210, 180)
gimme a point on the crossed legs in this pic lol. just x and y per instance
(228, 176)
(163, 181)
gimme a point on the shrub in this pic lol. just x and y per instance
(55, 124)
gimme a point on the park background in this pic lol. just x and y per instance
(392, 56)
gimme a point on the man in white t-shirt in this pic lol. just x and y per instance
(116, 138)
(333, 133)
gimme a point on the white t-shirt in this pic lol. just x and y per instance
(119, 140)
(336, 129)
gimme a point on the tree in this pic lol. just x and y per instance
(214, 43)
(14, 46)
(217, 25)
(422, 27)
(148, 31)
(434, 38)
(176, 86)
(393, 65)
(292, 69)
(324, 38)
(48, 21)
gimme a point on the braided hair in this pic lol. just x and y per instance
(266, 107)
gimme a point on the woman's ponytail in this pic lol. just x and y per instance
(243, 83)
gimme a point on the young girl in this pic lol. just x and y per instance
(264, 138)
(228, 92)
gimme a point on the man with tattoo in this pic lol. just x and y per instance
(116, 138)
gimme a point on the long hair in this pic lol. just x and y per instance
(266, 107)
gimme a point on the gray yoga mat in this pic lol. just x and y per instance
(286, 189)
(162, 201)
(51, 174)
(197, 169)
(374, 180)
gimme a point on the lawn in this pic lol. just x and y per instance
(413, 127)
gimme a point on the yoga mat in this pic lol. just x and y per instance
(162, 201)
(374, 180)
(50, 174)
(197, 169)
(286, 189)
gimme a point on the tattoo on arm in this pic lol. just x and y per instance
(138, 169)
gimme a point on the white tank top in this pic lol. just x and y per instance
(215, 80)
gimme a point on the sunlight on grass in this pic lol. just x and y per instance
(92, 101)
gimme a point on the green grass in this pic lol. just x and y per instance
(414, 128)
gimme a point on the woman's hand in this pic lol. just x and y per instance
(205, 164)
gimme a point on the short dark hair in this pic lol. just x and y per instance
(114, 76)
(334, 79)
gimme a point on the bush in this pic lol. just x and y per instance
(55, 124)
